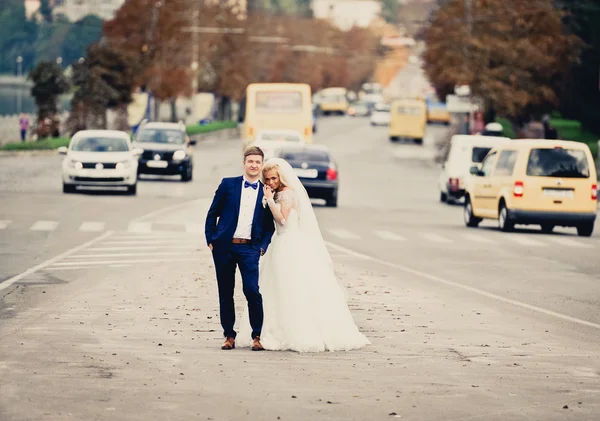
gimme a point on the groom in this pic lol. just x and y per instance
(241, 235)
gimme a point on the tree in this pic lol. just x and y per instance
(516, 55)
(49, 83)
(46, 10)
(79, 36)
(17, 37)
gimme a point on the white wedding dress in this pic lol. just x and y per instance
(305, 307)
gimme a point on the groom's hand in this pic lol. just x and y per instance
(210, 247)
(262, 251)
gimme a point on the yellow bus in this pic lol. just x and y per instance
(333, 100)
(276, 106)
(408, 118)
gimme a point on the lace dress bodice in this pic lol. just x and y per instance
(287, 199)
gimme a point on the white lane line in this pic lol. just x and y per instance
(121, 262)
(569, 242)
(436, 238)
(44, 226)
(4, 224)
(525, 241)
(154, 236)
(140, 227)
(478, 291)
(194, 228)
(9, 282)
(92, 226)
(96, 256)
(166, 243)
(478, 238)
(68, 268)
(147, 248)
(387, 235)
(344, 234)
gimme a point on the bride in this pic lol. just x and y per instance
(305, 307)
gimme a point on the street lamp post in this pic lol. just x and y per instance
(19, 90)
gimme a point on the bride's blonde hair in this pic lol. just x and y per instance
(273, 166)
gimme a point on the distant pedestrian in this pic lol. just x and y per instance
(23, 126)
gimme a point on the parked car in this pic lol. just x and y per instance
(99, 158)
(535, 182)
(316, 169)
(465, 151)
(166, 149)
(271, 140)
(359, 109)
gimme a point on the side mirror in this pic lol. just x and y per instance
(62, 150)
(137, 152)
(475, 170)
(192, 141)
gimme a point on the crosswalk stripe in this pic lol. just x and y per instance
(4, 224)
(92, 226)
(344, 234)
(121, 262)
(524, 240)
(148, 248)
(478, 238)
(194, 228)
(140, 227)
(165, 243)
(436, 238)
(568, 242)
(387, 235)
(44, 226)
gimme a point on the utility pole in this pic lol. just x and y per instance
(469, 16)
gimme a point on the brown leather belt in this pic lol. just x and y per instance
(240, 241)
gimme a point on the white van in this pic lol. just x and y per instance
(465, 152)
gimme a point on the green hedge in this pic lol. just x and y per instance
(573, 130)
(507, 127)
(210, 127)
(49, 143)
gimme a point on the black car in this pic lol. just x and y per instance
(316, 169)
(166, 150)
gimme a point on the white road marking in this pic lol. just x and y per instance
(4, 224)
(92, 226)
(140, 227)
(478, 291)
(148, 248)
(9, 282)
(568, 242)
(44, 226)
(436, 238)
(96, 256)
(194, 228)
(524, 240)
(121, 262)
(191, 241)
(387, 235)
(478, 238)
(68, 268)
(344, 234)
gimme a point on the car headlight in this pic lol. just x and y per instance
(179, 155)
(75, 164)
(123, 165)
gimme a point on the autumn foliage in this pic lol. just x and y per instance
(233, 50)
(516, 56)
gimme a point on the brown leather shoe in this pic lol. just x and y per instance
(256, 345)
(229, 343)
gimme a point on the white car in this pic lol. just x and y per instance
(380, 115)
(271, 140)
(465, 152)
(100, 158)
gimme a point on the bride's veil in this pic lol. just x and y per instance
(306, 215)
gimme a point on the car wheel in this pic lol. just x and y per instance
(470, 219)
(586, 229)
(505, 223)
(69, 188)
(547, 228)
(393, 139)
(419, 141)
(443, 197)
(186, 175)
(132, 190)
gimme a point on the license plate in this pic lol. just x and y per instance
(157, 164)
(302, 173)
(558, 193)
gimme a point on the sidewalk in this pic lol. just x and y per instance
(143, 343)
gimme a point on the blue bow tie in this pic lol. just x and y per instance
(253, 185)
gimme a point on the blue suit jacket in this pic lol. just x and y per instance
(226, 207)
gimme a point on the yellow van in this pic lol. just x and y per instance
(333, 100)
(276, 106)
(535, 182)
(408, 118)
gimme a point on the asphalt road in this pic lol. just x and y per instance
(465, 323)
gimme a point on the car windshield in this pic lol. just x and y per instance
(382, 108)
(101, 144)
(306, 156)
(478, 154)
(167, 136)
(558, 162)
(280, 137)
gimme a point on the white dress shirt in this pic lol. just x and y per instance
(246, 215)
